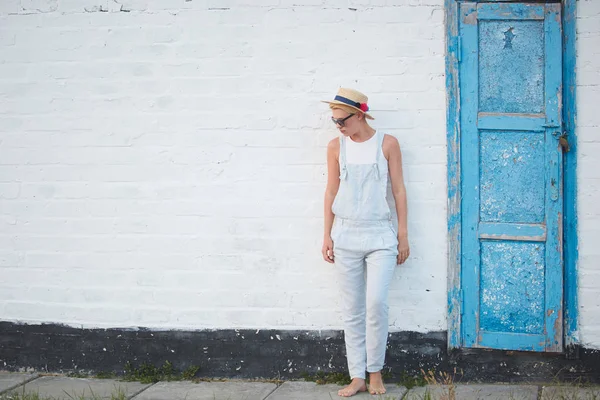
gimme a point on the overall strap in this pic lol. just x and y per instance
(378, 152)
(343, 167)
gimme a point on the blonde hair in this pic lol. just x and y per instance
(349, 110)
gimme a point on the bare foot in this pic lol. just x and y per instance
(376, 383)
(357, 385)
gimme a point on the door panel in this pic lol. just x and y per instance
(510, 75)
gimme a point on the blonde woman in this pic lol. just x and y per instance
(360, 236)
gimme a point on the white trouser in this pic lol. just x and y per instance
(365, 259)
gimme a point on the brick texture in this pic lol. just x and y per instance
(162, 162)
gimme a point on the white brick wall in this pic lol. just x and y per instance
(162, 162)
(588, 125)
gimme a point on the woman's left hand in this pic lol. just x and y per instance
(403, 250)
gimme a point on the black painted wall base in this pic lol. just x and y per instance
(271, 354)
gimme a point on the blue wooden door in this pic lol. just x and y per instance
(510, 74)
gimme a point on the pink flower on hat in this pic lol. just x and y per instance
(364, 107)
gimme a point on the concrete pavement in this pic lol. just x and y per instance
(61, 387)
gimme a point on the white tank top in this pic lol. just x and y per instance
(361, 153)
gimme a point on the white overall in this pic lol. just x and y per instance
(365, 249)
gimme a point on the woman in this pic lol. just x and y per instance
(360, 231)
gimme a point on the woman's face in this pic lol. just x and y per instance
(348, 123)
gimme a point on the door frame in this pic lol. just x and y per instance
(570, 240)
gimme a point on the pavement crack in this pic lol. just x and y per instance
(141, 390)
(272, 391)
(32, 378)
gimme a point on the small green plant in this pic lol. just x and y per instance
(411, 381)
(148, 373)
(445, 380)
(19, 396)
(322, 378)
(190, 372)
(386, 375)
(79, 374)
(105, 375)
(22, 395)
(10, 396)
(427, 395)
(118, 394)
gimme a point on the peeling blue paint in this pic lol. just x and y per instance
(571, 253)
(511, 80)
(512, 287)
(510, 231)
(502, 135)
(508, 37)
(514, 11)
(522, 122)
(453, 156)
(512, 177)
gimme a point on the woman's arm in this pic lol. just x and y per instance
(333, 184)
(391, 149)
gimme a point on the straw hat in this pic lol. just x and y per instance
(350, 98)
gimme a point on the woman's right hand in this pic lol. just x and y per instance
(327, 250)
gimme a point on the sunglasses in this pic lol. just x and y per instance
(341, 122)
